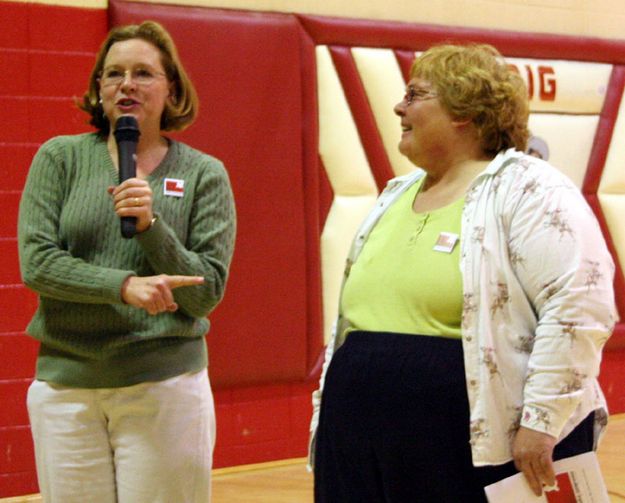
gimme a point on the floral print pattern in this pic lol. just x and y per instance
(478, 430)
(488, 360)
(558, 221)
(502, 297)
(593, 274)
(525, 344)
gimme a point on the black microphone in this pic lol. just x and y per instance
(127, 135)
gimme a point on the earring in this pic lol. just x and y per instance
(100, 101)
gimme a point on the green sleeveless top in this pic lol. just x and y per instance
(407, 278)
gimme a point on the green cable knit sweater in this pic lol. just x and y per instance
(72, 254)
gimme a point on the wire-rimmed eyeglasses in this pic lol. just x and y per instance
(140, 76)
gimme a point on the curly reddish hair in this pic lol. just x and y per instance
(474, 82)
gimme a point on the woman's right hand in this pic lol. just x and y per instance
(154, 293)
(133, 198)
(533, 455)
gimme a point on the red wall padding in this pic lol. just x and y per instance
(248, 71)
(45, 66)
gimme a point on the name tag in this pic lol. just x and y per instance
(446, 242)
(173, 187)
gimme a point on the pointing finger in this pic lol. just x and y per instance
(178, 281)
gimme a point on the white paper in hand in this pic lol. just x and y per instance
(578, 480)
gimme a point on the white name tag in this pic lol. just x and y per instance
(173, 187)
(446, 242)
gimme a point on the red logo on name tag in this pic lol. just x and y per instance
(174, 187)
(446, 242)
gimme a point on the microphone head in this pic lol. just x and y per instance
(127, 128)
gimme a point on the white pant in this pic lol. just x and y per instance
(148, 443)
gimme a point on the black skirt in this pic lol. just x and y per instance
(394, 425)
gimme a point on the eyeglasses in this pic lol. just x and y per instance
(415, 94)
(140, 76)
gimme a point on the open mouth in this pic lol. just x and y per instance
(126, 102)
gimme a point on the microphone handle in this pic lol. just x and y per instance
(129, 227)
(127, 169)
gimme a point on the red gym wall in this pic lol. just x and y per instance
(256, 76)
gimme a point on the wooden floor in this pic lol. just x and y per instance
(284, 482)
(289, 482)
(612, 458)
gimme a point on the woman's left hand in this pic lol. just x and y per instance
(533, 455)
(133, 198)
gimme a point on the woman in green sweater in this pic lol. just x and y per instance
(121, 409)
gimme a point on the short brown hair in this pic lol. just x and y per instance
(183, 108)
(474, 82)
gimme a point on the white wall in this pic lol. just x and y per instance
(600, 18)
(595, 18)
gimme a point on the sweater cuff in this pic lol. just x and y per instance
(154, 234)
(113, 287)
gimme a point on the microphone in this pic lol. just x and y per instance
(127, 135)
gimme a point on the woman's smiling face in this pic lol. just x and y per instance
(143, 90)
(426, 124)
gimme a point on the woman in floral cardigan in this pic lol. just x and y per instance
(476, 301)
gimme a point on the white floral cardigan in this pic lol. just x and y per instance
(538, 303)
